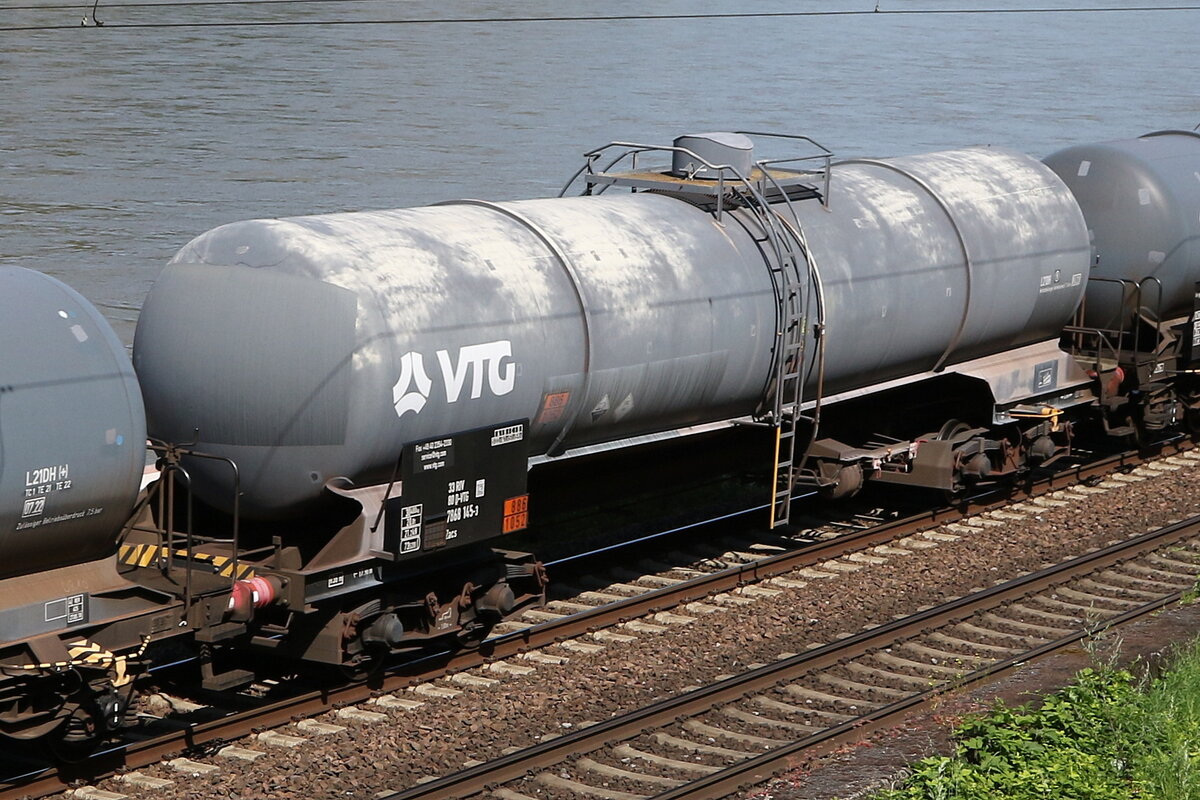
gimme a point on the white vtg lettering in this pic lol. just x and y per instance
(479, 359)
(491, 360)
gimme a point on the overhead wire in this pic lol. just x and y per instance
(176, 3)
(695, 15)
(495, 20)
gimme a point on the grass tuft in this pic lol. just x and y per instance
(1104, 737)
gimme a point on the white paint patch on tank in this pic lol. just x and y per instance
(1021, 229)
(626, 260)
(398, 260)
(991, 180)
(888, 205)
(886, 202)
(419, 254)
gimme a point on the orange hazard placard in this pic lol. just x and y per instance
(553, 406)
(516, 514)
(517, 522)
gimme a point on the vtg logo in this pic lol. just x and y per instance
(411, 391)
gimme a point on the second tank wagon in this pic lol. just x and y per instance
(1141, 198)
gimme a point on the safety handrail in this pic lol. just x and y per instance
(825, 155)
(170, 459)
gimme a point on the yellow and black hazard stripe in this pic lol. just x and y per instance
(224, 565)
(82, 653)
(89, 654)
(144, 555)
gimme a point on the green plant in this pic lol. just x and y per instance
(1067, 748)
(1105, 737)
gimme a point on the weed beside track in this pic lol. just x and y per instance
(1108, 736)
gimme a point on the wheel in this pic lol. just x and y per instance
(363, 667)
(951, 429)
(92, 723)
(955, 497)
(849, 481)
(39, 708)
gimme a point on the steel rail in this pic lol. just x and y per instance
(201, 736)
(475, 780)
(764, 767)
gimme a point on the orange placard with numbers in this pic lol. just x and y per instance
(553, 406)
(516, 513)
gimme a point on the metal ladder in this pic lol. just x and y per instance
(797, 284)
(793, 269)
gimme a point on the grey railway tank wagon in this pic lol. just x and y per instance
(72, 451)
(72, 427)
(316, 347)
(1141, 200)
(395, 372)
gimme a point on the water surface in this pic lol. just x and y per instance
(117, 145)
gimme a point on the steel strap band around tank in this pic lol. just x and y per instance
(585, 316)
(962, 243)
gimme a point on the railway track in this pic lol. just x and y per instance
(660, 599)
(726, 737)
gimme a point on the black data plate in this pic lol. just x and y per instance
(461, 488)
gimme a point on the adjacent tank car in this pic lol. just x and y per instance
(72, 428)
(1141, 199)
(72, 451)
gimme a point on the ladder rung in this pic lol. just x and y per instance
(789, 270)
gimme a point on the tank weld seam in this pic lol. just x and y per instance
(962, 243)
(568, 266)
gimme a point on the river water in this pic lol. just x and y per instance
(120, 143)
